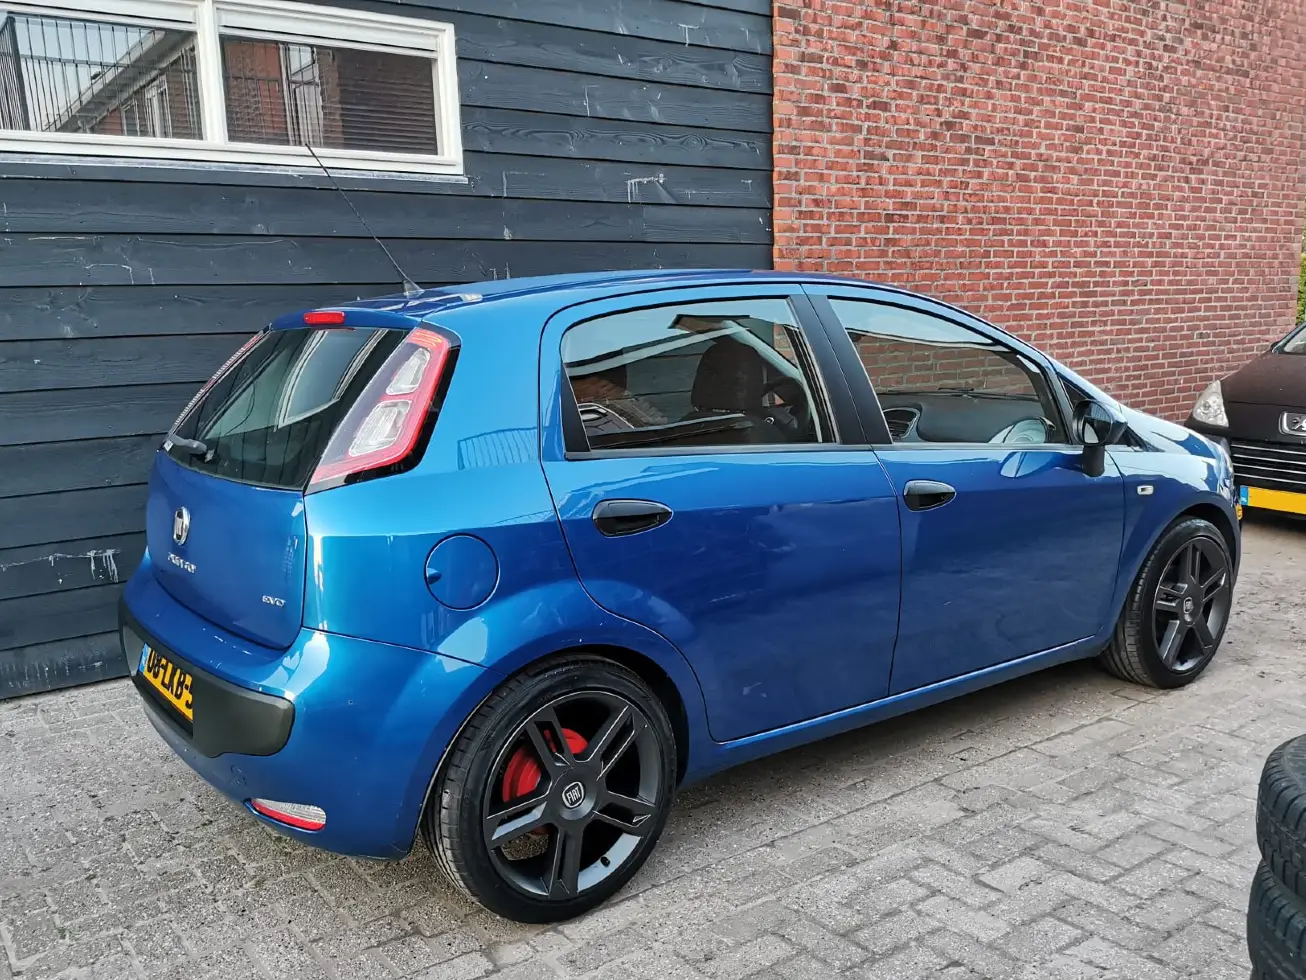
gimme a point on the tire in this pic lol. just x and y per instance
(1281, 815)
(570, 825)
(1276, 930)
(1138, 649)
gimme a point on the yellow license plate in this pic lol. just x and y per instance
(169, 680)
(1280, 500)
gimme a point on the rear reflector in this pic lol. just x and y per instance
(324, 318)
(384, 424)
(298, 815)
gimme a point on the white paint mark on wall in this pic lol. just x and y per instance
(632, 185)
(103, 563)
(687, 28)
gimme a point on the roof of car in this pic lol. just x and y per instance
(592, 284)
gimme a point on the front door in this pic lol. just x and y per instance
(704, 493)
(1008, 548)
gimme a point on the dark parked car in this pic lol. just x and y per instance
(1259, 414)
(505, 565)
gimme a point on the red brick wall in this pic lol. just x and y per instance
(1121, 183)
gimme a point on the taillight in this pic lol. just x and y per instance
(231, 362)
(384, 424)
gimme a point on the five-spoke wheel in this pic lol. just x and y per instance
(566, 810)
(1176, 612)
(1191, 604)
(556, 790)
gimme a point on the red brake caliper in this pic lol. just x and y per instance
(522, 774)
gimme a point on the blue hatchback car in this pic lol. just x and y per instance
(505, 565)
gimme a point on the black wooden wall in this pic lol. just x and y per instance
(597, 135)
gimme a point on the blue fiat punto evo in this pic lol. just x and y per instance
(506, 564)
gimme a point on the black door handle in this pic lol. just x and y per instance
(927, 494)
(618, 517)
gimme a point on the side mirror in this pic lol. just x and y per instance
(1097, 427)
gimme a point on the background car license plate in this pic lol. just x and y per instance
(169, 680)
(1280, 500)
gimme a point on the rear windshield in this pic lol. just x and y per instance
(268, 420)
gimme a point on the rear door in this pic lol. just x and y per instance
(1008, 548)
(225, 520)
(702, 452)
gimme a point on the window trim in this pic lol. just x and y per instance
(210, 21)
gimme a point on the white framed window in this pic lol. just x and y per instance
(229, 81)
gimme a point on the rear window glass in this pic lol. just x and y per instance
(268, 420)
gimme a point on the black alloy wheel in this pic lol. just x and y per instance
(1191, 604)
(1176, 611)
(556, 790)
(592, 798)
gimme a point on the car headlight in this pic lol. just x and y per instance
(1209, 408)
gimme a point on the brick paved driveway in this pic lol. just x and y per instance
(1062, 826)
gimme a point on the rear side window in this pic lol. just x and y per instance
(698, 374)
(269, 417)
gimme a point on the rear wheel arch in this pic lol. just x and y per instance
(467, 785)
(645, 667)
(652, 674)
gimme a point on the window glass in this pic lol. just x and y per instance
(701, 374)
(941, 382)
(83, 75)
(1295, 343)
(268, 419)
(316, 95)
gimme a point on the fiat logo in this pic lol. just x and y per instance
(573, 795)
(180, 525)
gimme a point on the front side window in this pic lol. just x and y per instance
(711, 374)
(939, 382)
(229, 80)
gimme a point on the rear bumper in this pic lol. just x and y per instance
(352, 726)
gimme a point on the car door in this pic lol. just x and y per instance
(1008, 548)
(692, 443)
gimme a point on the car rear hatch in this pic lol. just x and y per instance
(336, 397)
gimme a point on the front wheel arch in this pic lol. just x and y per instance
(1216, 516)
(1133, 652)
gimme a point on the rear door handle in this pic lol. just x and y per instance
(927, 494)
(616, 518)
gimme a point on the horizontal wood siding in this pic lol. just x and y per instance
(630, 135)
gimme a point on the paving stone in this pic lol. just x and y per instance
(1035, 940)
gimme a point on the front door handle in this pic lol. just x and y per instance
(927, 494)
(615, 518)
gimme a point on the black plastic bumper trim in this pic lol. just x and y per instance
(228, 719)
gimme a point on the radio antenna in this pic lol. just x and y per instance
(410, 288)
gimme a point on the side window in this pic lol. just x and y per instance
(941, 382)
(720, 373)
